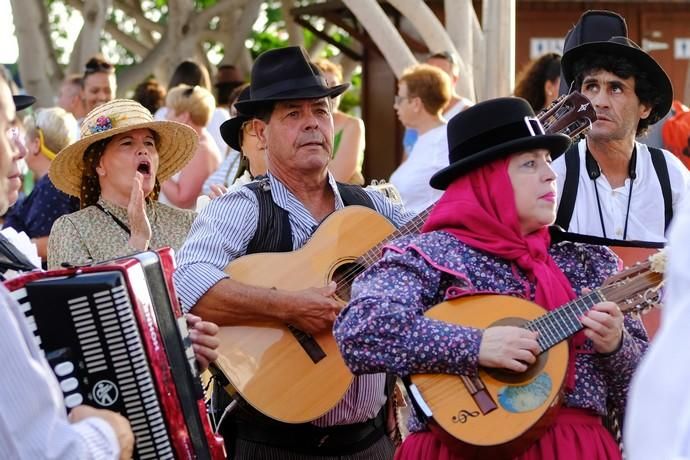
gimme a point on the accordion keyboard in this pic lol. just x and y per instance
(89, 335)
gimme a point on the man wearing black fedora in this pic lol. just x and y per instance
(291, 110)
(611, 186)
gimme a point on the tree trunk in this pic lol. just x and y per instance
(499, 30)
(243, 27)
(460, 16)
(294, 30)
(94, 13)
(38, 68)
(317, 48)
(383, 33)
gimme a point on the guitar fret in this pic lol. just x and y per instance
(559, 324)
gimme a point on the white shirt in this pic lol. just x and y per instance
(458, 107)
(428, 156)
(657, 423)
(33, 420)
(646, 220)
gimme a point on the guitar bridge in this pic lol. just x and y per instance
(308, 343)
(480, 394)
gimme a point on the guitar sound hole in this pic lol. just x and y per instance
(344, 275)
(507, 376)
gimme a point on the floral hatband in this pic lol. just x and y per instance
(104, 123)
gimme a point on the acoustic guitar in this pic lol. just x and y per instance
(295, 377)
(501, 413)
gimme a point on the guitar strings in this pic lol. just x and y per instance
(415, 227)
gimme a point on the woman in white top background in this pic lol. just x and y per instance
(193, 106)
(423, 92)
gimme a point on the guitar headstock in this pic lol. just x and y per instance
(571, 114)
(637, 288)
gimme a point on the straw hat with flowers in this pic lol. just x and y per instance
(176, 146)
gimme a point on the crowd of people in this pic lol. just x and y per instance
(115, 177)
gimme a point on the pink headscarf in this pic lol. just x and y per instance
(479, 209)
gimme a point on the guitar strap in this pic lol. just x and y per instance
(572, 178)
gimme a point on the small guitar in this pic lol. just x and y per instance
(501, 413)
(296, 377)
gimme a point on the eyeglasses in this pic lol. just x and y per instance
(14, 136)
(398, 99)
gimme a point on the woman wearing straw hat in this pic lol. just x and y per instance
(488, 234)
(115, 170)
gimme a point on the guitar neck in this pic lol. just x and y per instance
(412, 227)
(560, 324)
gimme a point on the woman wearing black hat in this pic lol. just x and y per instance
(488, 234)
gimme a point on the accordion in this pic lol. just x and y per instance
(116, 339)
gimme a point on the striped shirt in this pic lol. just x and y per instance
(222, 232)
(33, 420)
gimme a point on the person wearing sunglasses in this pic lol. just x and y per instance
(98, 84)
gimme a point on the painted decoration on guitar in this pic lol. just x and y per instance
(525, 398)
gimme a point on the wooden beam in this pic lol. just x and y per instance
(349, 52)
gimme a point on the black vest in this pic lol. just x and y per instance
(273, 233)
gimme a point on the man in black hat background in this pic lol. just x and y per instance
(611, 186)
(291, 107)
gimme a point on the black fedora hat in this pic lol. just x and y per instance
(230, 129)
(284, 74)
(624, 47)
(23, 101)
(490, 130)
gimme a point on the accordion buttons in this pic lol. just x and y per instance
(69, 384)
(73, 401)
(64, 368)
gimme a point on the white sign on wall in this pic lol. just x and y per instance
(543, 45)
(681, 48)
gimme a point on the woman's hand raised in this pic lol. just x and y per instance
(139, 225)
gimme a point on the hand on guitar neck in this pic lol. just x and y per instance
(603, 326)
(515, 348)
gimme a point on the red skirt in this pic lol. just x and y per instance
(575, 435)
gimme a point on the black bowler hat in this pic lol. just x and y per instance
(23, 101)
(624, 47)
(490, 130)
(285, 74)
(230, 129)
